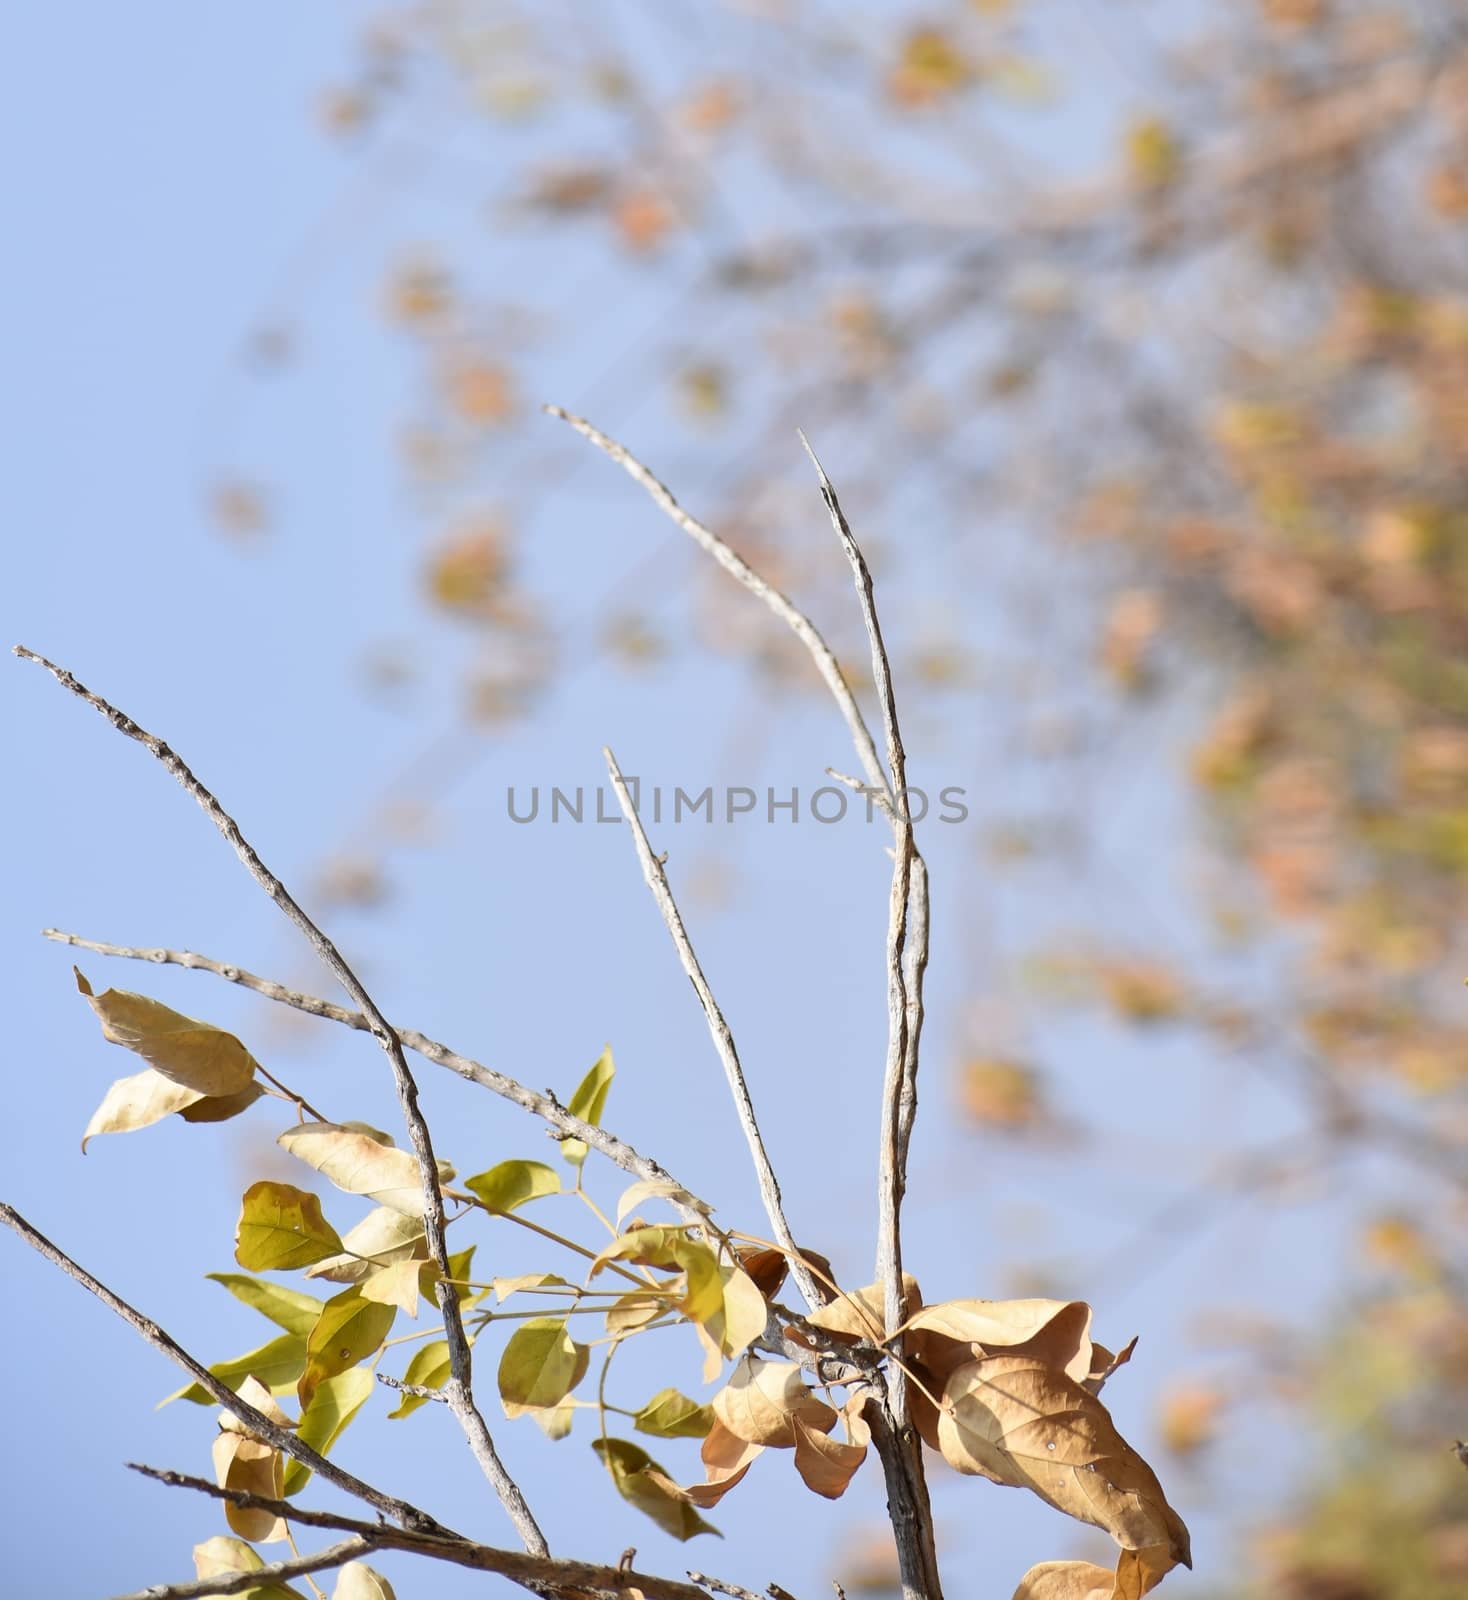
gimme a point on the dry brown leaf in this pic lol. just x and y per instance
(725, 1456)
(195, 1054)
(249, 1464)
(763, 1400)
(1016, 1421)
(947, 1335)
(827, 1466)
(254, 1393)
(1103, 1364)
(859, 1314)
(1137, 1573)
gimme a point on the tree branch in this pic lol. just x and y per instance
(459, 1387)
(540, 1573)
(283, 1439)
(548, 1109)
(769, 1186)
(336, 1555)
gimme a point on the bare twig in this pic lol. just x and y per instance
(459, 1387)
(283, 1439)
(417, 1390)
(895, 1438)
(547, 1108)
(733, 563)
(769, 1187)
(540, 1573)
(720, 1587)
(336, 1555)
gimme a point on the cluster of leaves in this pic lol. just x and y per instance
(1007, 1390)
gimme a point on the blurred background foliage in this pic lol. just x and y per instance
(1146, 329)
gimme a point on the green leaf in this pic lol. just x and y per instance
(541, 1365)
(194, 1054)
(332, 1407)
(348, 1330)
(589, 1102)
(286, 1308)
(277, 1365)
(429, 1369)
(631, 1468)
(671, 1415)
(282, 1227)
(461, 1263)
(513, 1183)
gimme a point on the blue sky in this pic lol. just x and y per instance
(164, 168)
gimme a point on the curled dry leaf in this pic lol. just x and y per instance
(1103, 1364)
(253, 1467)
(763, 1401)
(357, 1163)
(254, 1393)
(381, 1237)
(138, 1102)
(946, 1336)
(195, 1055)
(1138, 1572)
(825, 1465)
(1016, 1421)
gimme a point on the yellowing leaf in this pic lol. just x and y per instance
(763, 1400)
(589, 1102)
(357, 1581)
(282, 1227)
(194, 1054)
(505, 1287)
(512, 1183)
(286, 1308)
(253, 1467)
(277, 1365)
(222, 1557)
(382, 1236)
(554, 1421)
(358, 1164)
(671, 1415)
(400, 1283)
(641, 1481)
(430, 1368)
(1017, 1421)
(348, 1330)
(722, 1300)
(540, 1366)
(636, 1309)
(826, 1466)
(656, 1189)
(138, 1102)
(336, 1401)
